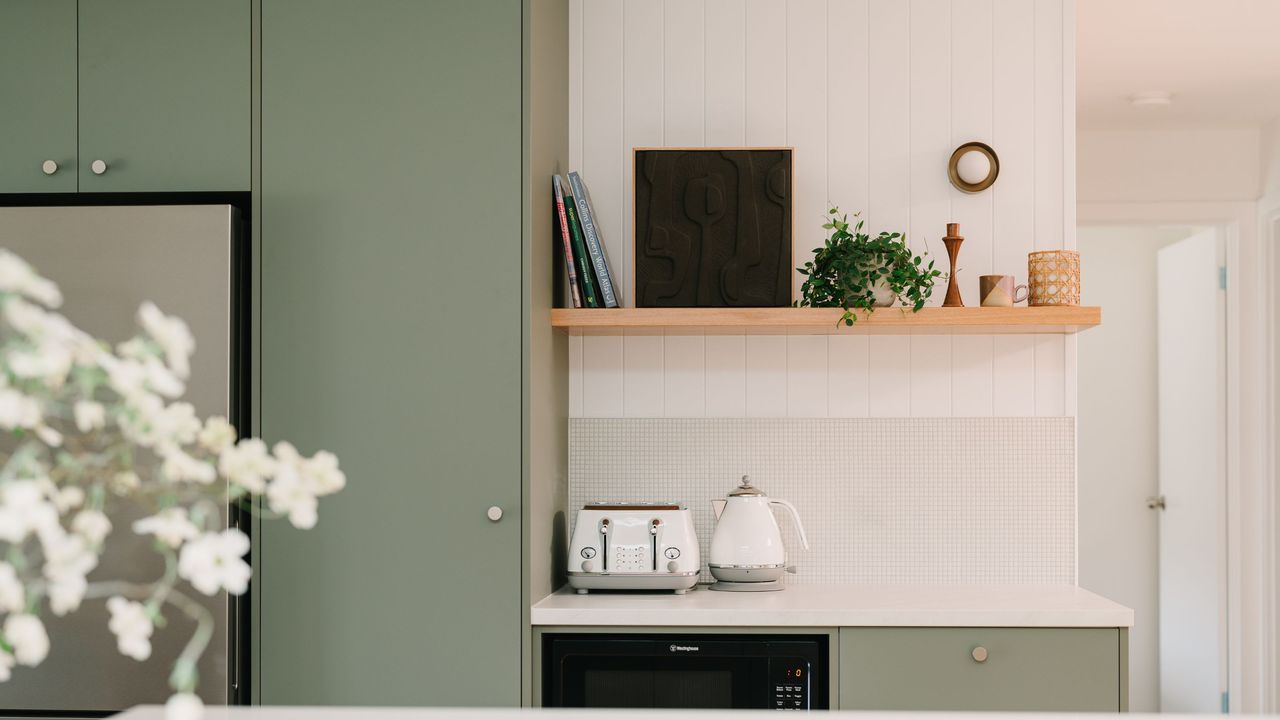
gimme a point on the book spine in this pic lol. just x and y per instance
(590, 298)
(568, 243)
(592, 235)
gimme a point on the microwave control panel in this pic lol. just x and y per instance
(790, 683)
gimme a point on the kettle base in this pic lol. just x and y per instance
(730, 586)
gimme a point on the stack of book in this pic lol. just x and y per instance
(590, 281)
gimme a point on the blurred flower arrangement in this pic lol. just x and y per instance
(80, 422)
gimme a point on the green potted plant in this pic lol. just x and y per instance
(854, 271)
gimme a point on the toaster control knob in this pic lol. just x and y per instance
(672, 553)
(588, 566)
(673, 566)
(588, 552)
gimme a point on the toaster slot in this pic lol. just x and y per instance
(655, 538)
(604, 544)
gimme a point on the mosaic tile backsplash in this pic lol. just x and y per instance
(912, 500)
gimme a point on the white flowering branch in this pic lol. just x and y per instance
(85, 429)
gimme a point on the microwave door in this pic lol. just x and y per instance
(664, 682)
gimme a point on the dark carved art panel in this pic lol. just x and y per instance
(713, 228)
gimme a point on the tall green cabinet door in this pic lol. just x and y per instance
(391, 335)
(165, 91)
(37, 96)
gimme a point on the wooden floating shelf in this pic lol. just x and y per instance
(889, 321)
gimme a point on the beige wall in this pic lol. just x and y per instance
(1117, 435)
(1191, 165)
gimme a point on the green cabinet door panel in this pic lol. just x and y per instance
(391, 335)
(1029, 669)
(37, 95)
(165, 94)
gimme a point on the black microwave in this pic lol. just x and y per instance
(782, 672)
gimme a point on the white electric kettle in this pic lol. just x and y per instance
(746, 549)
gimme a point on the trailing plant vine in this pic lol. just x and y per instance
(851, 267)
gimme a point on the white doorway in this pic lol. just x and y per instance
(1144, 377)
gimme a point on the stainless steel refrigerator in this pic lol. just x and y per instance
(107, 261)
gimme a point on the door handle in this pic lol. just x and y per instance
(1156, 502)
(494, 513)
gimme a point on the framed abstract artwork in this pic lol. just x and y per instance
(713, 227)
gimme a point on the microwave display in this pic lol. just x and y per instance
(781, 672)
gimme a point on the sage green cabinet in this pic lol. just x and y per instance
(37, 95)
(391, 334)
(983, 669)
(164, 95)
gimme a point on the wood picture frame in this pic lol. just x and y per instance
(762, 267)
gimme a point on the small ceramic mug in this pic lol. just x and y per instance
(999, 291)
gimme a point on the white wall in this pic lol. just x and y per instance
(1184, 165)
(874, 95)
(1117, 436)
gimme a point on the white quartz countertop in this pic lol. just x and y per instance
(154, 712)
(842, 606)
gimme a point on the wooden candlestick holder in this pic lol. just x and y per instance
(952, 241)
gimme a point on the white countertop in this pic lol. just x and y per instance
(155, 712)
(842, 606)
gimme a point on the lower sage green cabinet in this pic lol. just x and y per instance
(984, 669)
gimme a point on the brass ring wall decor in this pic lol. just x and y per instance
(953, 167)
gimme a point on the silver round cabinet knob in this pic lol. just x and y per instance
(979, 654)
(98, 167)
(49, 167)
(588, 566)
(494, 513)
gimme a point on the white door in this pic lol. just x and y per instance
(1190, 344)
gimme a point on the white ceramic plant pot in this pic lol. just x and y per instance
(885, 296)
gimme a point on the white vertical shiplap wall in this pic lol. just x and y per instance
(873, 95)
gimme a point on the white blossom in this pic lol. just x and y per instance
(24, 510)
(18, 410)
(150, 423)
(49, 436)
(183, 706)
(214, 562)
(26, 635)
(6, 666)
(125, 482)
(217, 435)
(178, 466)
(132, 627)
(289, 494)
(65, 593)
(172, 335)
(67, 498)
(247, 464)
(12, 596)
(170, 526)
(299, 481)
(49, 363)
(16, 276)
(90, 416)
(92, 525)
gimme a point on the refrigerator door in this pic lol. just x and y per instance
(108, 260)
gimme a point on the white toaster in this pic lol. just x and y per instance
(634, 546)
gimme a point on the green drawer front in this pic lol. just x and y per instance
(1040, 669)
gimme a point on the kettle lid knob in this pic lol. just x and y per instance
(746, 489)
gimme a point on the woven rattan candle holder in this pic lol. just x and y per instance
(1053, 277)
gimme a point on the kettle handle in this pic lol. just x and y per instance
(799, 525)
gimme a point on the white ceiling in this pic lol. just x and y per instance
(1219, 58)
